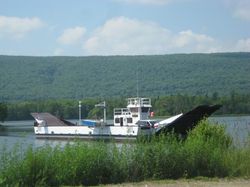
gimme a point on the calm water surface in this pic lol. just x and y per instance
(21, 132)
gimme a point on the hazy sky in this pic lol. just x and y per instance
(123, 27)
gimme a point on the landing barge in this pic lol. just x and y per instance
(128, 123)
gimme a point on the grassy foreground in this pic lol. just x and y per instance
(207, 151)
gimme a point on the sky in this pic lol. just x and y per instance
(123, 27)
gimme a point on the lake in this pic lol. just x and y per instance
(21, 132)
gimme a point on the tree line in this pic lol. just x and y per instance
(162, 106)
(3, 112)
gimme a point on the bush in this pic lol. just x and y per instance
(207, 146)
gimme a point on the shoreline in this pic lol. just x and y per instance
(196, 182)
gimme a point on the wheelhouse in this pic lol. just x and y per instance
(137, 109)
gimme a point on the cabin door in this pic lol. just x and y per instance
(121, 121)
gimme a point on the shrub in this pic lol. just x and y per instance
(207, 146)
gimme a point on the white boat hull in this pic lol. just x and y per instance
(102, 132)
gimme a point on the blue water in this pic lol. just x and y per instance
(238, 127)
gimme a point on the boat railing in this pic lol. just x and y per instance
(139, 101)
(121, 111)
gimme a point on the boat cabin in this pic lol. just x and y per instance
(137, 109)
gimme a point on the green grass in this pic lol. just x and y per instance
(207, 151)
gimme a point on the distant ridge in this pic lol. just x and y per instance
(30, 78)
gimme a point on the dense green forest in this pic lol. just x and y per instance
(25, 78)
(162, 106)
(3, 112)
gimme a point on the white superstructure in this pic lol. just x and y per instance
(137, 109)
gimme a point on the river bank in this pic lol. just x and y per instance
(203, 182)
(207, 151)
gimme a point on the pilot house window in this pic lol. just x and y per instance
(145, 109)
(129, 120)
(133, 110)
(117, 120)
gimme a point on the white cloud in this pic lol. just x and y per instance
(243, 45)
(72, 35)
(16, 27)
(243, 13)
(186, 37)
(146, 2)
(240, 8)
(187, 40)
(124, 36)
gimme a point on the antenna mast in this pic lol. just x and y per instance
(80, 107)
(137, 80)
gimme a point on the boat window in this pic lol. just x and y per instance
(145, 109)
(117, 120)
(129, 120)
(133, 110)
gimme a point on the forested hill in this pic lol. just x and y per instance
(27, 78)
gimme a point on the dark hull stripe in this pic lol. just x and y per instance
(80, 136)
